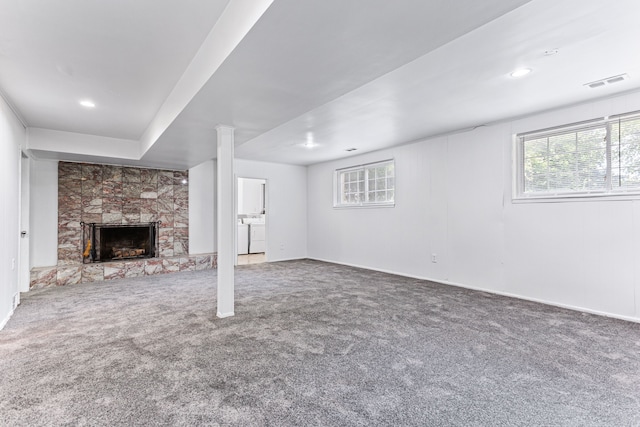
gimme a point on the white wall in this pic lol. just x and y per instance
(44, 213)
(286, 205)
(202, 219)
(12, 139)
(286, 201)
(453, 199)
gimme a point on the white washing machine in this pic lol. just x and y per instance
(257, 238)
(243, 239)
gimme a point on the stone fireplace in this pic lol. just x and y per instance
(117, 221)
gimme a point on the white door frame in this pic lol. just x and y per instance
(266, 216)
(23, 257)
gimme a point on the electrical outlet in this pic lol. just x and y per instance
(434, 257)
(13, 263)
(282, 246)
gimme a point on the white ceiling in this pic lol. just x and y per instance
(367, 74)
(124, 55)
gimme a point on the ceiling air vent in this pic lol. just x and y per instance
(607, 81)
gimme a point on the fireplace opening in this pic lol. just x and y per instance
(112, 242)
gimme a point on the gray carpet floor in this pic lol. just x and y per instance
(312, 344)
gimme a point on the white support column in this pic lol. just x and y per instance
(226, 221)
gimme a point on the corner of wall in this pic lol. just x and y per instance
(12, 135)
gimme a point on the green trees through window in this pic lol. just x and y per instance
(598, 158)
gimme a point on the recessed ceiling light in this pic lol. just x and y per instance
(87, 103)
(310, 140)
(521, 72)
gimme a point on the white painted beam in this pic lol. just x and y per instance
(81, 144)
(235, 22)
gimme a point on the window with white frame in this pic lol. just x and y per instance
(365, 185)
(594, 158)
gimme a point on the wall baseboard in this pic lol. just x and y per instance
(490, 291)
(223, 315)
(287, 259)
(14, 305)
(4, 321)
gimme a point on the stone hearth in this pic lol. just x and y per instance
(62, 275)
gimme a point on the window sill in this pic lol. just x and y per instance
(609, 197)
(367, 206)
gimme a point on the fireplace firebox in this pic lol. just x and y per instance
(112, 242)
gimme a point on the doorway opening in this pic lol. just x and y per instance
(252, 221)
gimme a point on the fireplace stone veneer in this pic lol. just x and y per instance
(108, 194)
(93, 193)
